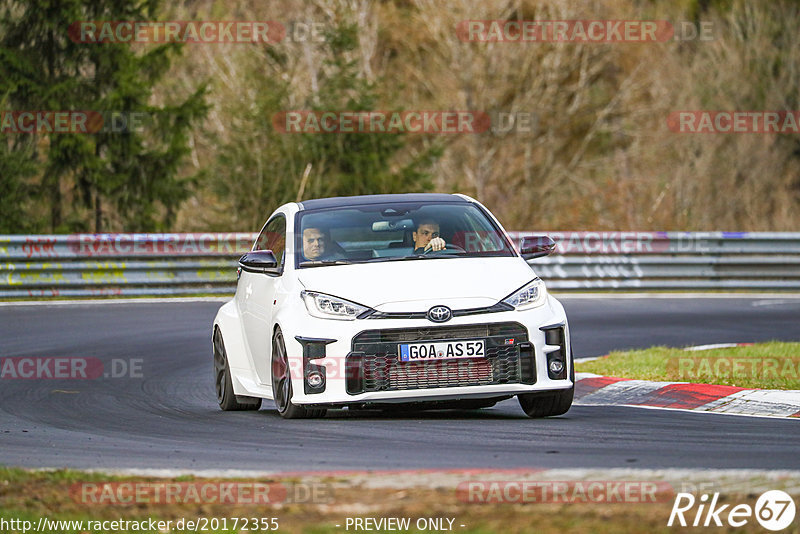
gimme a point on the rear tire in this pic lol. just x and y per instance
(226, 398)
(282, 384)
(536, 405)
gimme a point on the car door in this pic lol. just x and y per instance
(256, 294)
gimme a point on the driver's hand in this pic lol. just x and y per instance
(436, 244)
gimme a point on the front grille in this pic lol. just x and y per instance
(495, 308)
(444, 374)
(374, 363)
(436, 333)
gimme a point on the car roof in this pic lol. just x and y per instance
(363, 200)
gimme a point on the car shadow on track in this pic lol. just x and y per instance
(432, 415)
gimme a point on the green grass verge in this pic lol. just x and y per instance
(773, 365)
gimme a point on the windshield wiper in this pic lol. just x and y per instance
(320, 263)
(426, 256)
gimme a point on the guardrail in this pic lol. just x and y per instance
(671, 260)
(189, 264)
(83, 265)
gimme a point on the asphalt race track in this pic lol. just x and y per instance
(168, 417)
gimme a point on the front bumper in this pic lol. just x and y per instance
(358, 359)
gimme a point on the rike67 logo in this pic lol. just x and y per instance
(774, 510)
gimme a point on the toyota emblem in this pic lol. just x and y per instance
(439, 314)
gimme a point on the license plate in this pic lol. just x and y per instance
(441, 350)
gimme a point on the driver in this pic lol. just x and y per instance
(426, 237)
(316, 244)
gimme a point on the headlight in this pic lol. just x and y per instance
(530, 295)
(328, 307)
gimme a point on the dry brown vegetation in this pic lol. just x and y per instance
(600, 155)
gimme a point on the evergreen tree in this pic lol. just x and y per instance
(122, 180)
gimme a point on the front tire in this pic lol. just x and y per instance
(226, 398)
(536, 405)
(282, 384)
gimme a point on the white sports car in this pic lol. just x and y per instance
(387, 301)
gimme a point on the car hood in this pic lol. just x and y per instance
(412, 285)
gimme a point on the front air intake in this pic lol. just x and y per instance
(557, 361)
(373, 364)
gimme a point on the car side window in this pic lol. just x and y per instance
(273, 237)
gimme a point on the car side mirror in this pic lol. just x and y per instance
(536, 246)
(260, 261)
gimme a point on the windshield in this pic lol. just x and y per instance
(396, 232)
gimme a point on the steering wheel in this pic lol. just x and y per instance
(448, 248)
